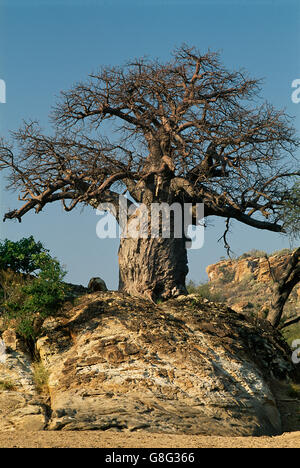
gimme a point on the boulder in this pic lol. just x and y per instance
(118, 363)
(21, 412)
(185, 366)
(242, 306)
(97, 284)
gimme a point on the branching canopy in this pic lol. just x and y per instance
(188, 131)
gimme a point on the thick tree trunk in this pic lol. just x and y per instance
(153, 267)
(284, 287)
(280, 297)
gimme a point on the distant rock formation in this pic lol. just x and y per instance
(125, 364)
(242, 268)
(246, 283)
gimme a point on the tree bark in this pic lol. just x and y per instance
(153, 267)
(284, 287)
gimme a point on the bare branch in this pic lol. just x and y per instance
(185, 130)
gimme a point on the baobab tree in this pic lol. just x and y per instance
(184, 131)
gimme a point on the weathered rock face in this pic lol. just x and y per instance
(182, 367)
(258, 267)
(21, 408)
(247, 284)
(121, 363)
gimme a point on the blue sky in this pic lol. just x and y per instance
(46, 47)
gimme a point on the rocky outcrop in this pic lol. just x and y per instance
(247, 284)
(126, 364)
(259, 268)
(21, 408)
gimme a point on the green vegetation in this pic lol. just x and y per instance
(253, 253)
(294, 390)
(261, 253)
(291, 333)
(40, 377)
(27, 297)
(282, 252)
(20, 256)
(204, 290)
(6, 385)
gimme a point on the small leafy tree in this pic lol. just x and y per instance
(20, 256)
(47, 291)
(30, 298)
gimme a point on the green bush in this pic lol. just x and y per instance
(31, 297)
(40, 377)
(20, 256)
(6, 385)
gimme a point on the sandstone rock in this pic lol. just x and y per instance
(21, 412)
(244, 268)
(125, 364)
(20, 406)
(241, 269)
(277, 265)
(242, 306)
(185, 366)
(97, 284)
(216, 271)
(10, 339)
(17, 370)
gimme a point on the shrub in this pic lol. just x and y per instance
(204, 291)
(10, 282)
(282, 252)
(294, 390)
(227, 274)
(28, 297)
(253, 253)
(40, 377)
(20, 256)
(6, 385)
